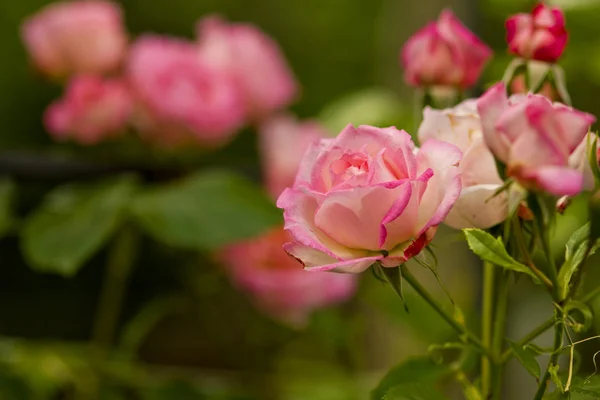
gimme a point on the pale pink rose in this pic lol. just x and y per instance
(368, 196)
(181, 97)
(283, 141)
(444, 53)
(253, 58)
(534, 138)
(91, 110)
(278, 284)
(540, 35)
(476, 207)
(76, 37)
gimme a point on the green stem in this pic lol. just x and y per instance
(459, 328)
(520, 238)
(558, 341)
(498, 334)
(121, 258)
(529, 337)
(486, 323)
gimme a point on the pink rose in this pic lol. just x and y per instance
(283, 141)
(540, 35)
(92, 109)
(76, 37)
(277, 283)
(476, 207)
(534, 138)
(444, 53)
(182, 98)
(368, 196)
(253, 58)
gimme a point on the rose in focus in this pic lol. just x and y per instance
(91, 110)
(540, 35)
(535, 139)
(76, 37)
(477, 206)
(253, 59)
(368, 196)
(444, 53)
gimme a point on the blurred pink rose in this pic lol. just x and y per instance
(476, 207)
(534, 138)
(91, 110)
(182, 98)
(283, 141)
(444, 53)
(76, 37)
(278, 284)
(253, 58)
(540, 35)
(367, 196)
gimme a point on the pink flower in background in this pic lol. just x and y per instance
(183, 98)
(540, 35)
(278, 284)
(92, 109)
(76, 37)
(253, 59)
(477, 206)
(444, 53)
(283, 141)
(368, 196)
(534, 138)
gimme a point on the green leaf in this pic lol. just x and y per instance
(206, 211)
(492, 250)
(589, 386)
(593, 157)
(560, 83)
(575, 254)
(527, 358)
(394, 278)
(413, 391)
(73, 222)
(414, 370)
(7, 190)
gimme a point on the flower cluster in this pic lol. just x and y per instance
(170, 90)
(370, 196)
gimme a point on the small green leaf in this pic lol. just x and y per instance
(73, 222)
(516, 67)
(206, 211)
(593, 157)
(560, 83)
(413, 391)
(527, 358)
(394, 278)
(492, 250)
(414, 370)
(7, 190)
(575, 254)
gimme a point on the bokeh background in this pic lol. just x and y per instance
(184, 332)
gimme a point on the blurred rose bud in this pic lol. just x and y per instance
(540, 35)
(283, 141)
(92, 109)
(444, 53)
(477, 206)
(253, 59)
(368, 196)
(278, 284)
(76, 37)
(182, 99)
(535, 139)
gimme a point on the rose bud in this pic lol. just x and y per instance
(86, 37)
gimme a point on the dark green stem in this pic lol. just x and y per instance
(459, 328)
(529, 337)
(520, 238)
(121, 258)
(498, 334)
(487, 320)
(558, 341)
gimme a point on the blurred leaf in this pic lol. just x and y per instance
(589, 386)
(594, 212)
(7, 190)
(173, 390)
(592, 158)
(14, 388)
(372, 106)
(206, 211)
(575, 253)
(73, 222)
(492, 250)
(527, 359)
(413, 370)
(413, 391)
